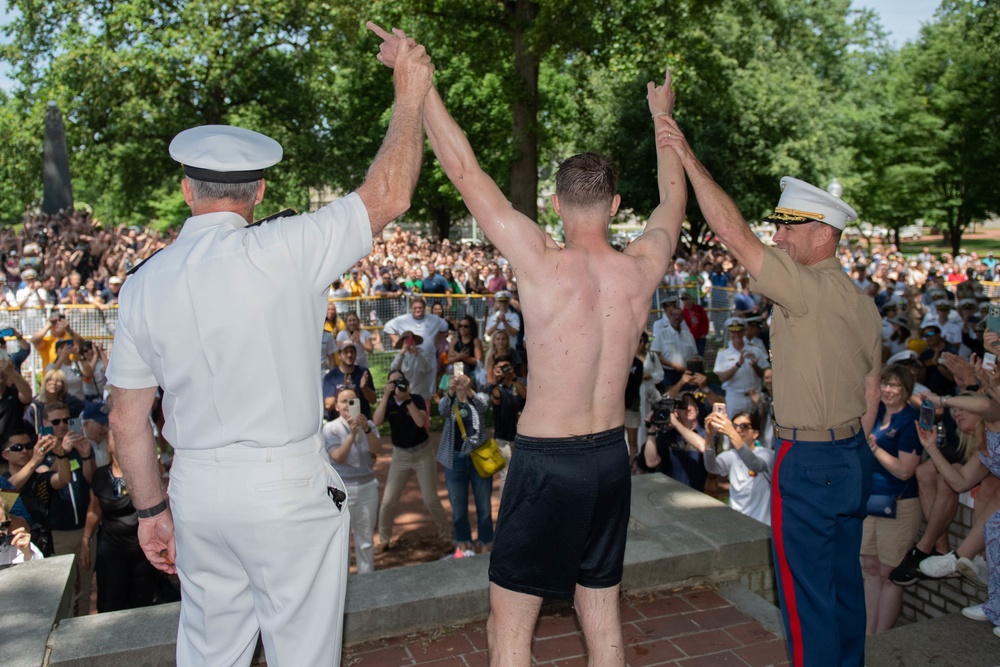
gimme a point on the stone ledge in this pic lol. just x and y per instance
(677, 537)
(948, 641)
(35, 595)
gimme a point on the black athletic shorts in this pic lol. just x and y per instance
(563, 515)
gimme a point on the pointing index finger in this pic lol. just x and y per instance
(378, 30)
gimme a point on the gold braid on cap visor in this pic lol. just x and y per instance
(802, 214)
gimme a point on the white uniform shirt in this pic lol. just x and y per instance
(677, 346)
(739, 385)
(513, 320)
(228, 321)
(36, 298)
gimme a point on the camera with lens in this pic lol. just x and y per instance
(402, 385)
(662, 410)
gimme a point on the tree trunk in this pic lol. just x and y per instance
(524, 108)
(442, 222)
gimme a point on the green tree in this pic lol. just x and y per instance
(21, 135)
(130, 75)
(765, 89)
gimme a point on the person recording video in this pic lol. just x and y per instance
(408, 420)
(675, 441)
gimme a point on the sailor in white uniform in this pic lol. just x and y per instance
(260, 520)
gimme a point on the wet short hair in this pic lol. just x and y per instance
(586, 180)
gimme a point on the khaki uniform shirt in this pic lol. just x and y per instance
(826, 338)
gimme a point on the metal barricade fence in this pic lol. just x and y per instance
(98, 324)
(92, 323)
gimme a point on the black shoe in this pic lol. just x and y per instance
(908, 572)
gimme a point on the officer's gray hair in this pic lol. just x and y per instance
(241, 193)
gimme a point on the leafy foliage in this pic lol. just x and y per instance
(765, 88)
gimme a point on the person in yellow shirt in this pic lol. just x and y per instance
(55, 330)
(333, 323)
(356, 284)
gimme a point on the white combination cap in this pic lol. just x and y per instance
(735, 324)
(802, 202)
(224, 153)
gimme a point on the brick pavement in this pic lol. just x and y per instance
(693, 627)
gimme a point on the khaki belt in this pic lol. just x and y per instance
(829, 435)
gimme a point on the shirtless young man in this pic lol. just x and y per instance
(564, 516)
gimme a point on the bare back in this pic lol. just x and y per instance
(583, 311)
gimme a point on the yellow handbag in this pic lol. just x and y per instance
(486, 457)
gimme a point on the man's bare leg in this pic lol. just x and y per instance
(510, 627)
(601, 621)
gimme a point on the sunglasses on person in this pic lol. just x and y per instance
(19, 447)
(743, 427)
(58, 422)
(930, 334)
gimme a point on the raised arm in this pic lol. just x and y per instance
(719, 209)
(392, 177)
(658, 242)
(519, 239)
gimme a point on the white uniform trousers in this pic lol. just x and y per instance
(261, 545)
(362, 500)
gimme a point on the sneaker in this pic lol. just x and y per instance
(938, 567)
(907, 574)
(975, 570)
(975, 613)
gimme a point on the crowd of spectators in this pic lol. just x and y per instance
(69, 258)
(685, 419)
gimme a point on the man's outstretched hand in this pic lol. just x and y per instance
(387, 51)
(660, 98)
(412, 67)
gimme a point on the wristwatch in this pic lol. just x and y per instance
(150, 512)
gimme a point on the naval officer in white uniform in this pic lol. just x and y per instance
(260, 520)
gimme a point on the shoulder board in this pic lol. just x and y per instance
(139, 265)
(280, 214)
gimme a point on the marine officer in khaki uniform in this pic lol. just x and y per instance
(826, 356)
(260, 520)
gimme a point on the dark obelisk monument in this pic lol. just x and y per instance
(58, 193)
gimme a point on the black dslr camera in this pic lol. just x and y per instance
(661, 412)
(402, 385)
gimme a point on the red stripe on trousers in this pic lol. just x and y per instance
(787, 583)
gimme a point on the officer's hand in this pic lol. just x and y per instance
(156, 537)
(668, 134)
